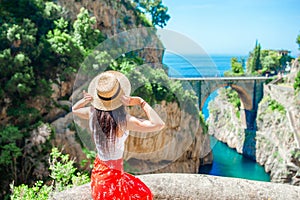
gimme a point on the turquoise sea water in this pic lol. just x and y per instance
(227, 162)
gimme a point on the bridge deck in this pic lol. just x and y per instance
(240, 78)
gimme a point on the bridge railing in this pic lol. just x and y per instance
(224, 78)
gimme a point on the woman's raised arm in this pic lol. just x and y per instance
(80, 109)
(153, 123)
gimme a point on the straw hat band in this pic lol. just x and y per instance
(110, 97)
(107, 89)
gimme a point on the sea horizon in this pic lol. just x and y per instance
(198, 65)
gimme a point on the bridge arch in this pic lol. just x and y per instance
(250, 91)
(246, 98)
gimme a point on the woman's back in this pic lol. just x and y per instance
(108, 93)
(109, 143)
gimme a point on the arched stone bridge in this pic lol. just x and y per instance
(250, 91)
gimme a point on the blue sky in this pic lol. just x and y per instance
(232, 26)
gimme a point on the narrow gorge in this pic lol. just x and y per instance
(277, 128)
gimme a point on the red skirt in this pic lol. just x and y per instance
(110, 182)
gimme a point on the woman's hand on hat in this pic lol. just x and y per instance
(87, 97)
(131, 101)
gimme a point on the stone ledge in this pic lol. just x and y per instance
(198, 186)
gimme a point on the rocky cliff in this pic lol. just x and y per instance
(177, 148)
(278, 132)
(277, 135)
(224, 123)
(114, 17)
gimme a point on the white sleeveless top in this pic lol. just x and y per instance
(115, 150)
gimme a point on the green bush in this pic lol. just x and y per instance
(39, 46)
(39, 191)
(10, 152)
(236, 67)
(63, 173)
(297, 82)
(91, 156)
(203, 123)
(233, 97)
(274, 105)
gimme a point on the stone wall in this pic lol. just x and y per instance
(196, 187)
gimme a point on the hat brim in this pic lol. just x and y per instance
(114, 103)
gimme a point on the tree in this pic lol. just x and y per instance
(38, 46)
(297, 82)
(236, 66)
(84, 33)
(254, 60)
(256, 65)
(270, 62)
(156, 9)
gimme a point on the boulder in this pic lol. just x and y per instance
(197, 186)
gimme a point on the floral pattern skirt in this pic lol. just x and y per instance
(110, 182)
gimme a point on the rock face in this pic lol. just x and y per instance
(224, 123)
(277, 135)
(112, 18)
(177, 148)
(65, 138)
(195, 187)
(295, 68)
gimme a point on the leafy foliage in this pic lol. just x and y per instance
(297, 82)
(254, 62)
(264, 62)
(237, 67)
(90, 155)
(63, 174)
(233, 97)
(84, 33)
(274, 105)
(156, 9)
(39, 46)
(39, 49)
(270, 61)
(203, 123)
(10, 151)
(154, 86)
(37, 191)
(63, 171)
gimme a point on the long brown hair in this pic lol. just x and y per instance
(108, 124)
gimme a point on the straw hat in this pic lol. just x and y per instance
(107, 89)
